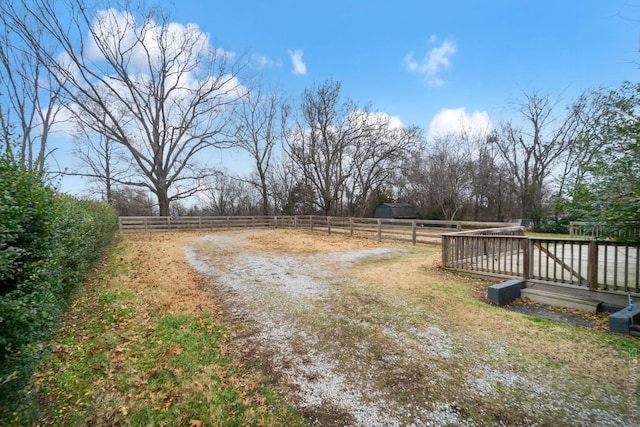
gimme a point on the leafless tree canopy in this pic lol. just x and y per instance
(258, 130)
(344, 152)
(157, 88)
(151, 98)
(531, 150)
(29, 95)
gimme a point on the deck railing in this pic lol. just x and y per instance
(582, 263)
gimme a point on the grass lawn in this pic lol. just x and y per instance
(148, 340)
(128, 353)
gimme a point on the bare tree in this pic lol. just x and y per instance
(408, 182)
(132, 202)
(285, 180)
(258, 130)
(224, 194)
(530, 152)
(325, 131)
(102, 162)
(448, 175)
(173, 88)
(31, 94)
(375, 156)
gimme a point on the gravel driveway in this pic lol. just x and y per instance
(347, 355)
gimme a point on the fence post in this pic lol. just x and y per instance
(120, 224)
(329, 225)
(311, 222)
(413, 232)
(445, 250)
(379, 230)
(351, 227)
(526, 260)
(593, 266)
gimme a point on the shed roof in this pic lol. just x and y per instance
(396, 210)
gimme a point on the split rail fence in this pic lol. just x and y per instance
(491, 248)
(410, 230)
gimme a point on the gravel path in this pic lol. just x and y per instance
(391, 375)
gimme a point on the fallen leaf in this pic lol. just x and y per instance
(195, 423)
(174, 351)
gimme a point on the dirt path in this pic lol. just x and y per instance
(360, 333)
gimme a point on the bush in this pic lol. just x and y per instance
(48, 243)
(555, 225)
(25, 209)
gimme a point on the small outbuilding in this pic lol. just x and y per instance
(395, 211)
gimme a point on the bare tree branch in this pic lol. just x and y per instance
(157, 88)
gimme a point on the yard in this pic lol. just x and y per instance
(230, 328)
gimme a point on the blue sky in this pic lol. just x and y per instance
(419, 59)
(490, 51)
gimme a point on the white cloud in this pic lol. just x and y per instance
(299, 67)
(458, 121)
(394, 121)
(366, 117)
(266, 62)
(434, 61)
(144, 47)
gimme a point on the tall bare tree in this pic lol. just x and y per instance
(374, 156)
(325, 130)
(30, 101)
(172, 87)
(258, 130)
(285, 187)
(530, 151)
(448, 175)
(103, 162)
(224, 194)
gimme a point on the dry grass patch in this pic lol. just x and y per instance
(394, 339)
(351, 331)
(143, 344)
(303, 243)
(583, 352)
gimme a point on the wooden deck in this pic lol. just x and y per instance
(599, 268)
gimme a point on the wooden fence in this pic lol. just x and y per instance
(580, 263)
(415, 231)
(491, 248)
(595, 230)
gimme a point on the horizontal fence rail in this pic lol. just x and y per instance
(136, 224)
(409, 230)
(596, 230)
(491, 248)
(580, 263)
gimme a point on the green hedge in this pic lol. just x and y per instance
(48, 243)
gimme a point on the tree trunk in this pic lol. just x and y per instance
(163, 202)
